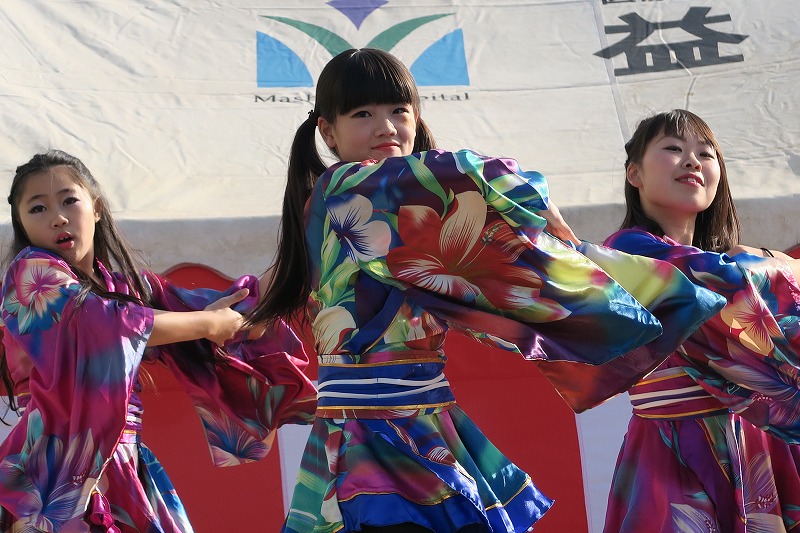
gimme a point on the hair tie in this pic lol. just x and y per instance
(767, 252)
(312, 114)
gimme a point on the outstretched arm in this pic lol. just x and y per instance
(217, 322)
(794, 264)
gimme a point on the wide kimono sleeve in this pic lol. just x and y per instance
(259, 387)
(460, 234)
(746, 355)
(85, 358)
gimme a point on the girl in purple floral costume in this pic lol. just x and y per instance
(75, 334)
(399, 243)
(712, 444)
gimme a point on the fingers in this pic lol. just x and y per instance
(227, 301)
(566, 234)
(236, 297)
(228, 324)
(557, 226)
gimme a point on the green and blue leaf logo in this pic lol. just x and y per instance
(443, 63)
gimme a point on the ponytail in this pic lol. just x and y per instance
(291, 286)
(424, 139)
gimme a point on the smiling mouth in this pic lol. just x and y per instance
(691, 179)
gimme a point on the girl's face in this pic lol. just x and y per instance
(59, 215)
(677, 178)
(374, 131)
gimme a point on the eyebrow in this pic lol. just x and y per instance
(42, 195)
(704, 142)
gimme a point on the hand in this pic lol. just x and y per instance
(557, 226)
(227, 301)
(253, 332)
(224, 321)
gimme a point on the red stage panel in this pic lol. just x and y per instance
(242, 498)
(515, 406)
(506, 396)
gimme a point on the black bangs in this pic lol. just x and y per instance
(369, 77)
(679, 123)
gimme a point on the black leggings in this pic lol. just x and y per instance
(413, 528)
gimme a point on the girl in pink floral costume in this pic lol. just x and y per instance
(399, 243)
(712, 444)
(75, 334)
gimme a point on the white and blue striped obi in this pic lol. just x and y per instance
(395, 384)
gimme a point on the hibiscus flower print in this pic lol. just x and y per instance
(363, 239)
(687, 519)
(231, 445)
(755, 323)
(462, 257)
(331, 328)
(56, 478)
(37, 294)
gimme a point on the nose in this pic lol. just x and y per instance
(692, 161)
(58, 220)
(386, 127)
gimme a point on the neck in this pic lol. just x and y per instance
(92, 273)
(679, 229)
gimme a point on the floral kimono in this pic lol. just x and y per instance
(713, 443)
(405, 249)
(75, 462)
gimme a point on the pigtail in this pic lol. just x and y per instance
(424, 139)
(291, 285)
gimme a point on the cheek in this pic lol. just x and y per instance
(411, 134)
(713, 188)
(713, 177)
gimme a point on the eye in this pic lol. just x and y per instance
(363, 113)
(403, 109)
(673, 148)
(709, 155)
(36, 209)
(69, 200)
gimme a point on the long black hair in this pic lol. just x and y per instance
(351, 79)
(716, 228)
(110, 248)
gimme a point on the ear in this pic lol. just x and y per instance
(632, 175)
(326, 130)
(96, 210)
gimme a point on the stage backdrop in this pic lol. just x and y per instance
(185, 111)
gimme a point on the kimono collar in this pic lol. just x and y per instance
(665, 238)
(110, 285)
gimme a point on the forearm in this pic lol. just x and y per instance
(169, 327)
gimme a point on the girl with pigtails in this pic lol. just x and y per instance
(387, 250)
